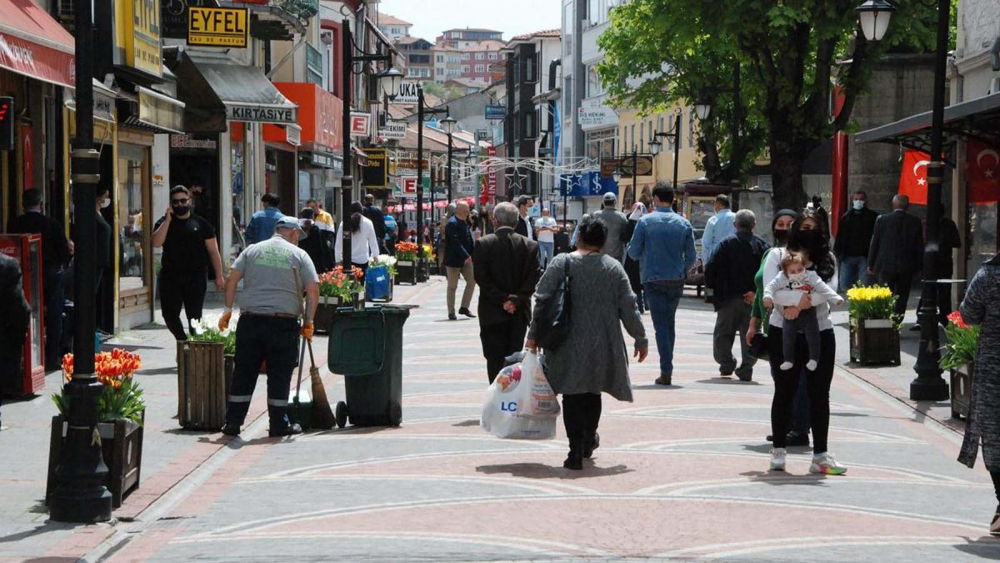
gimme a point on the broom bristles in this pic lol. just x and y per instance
(322, 415)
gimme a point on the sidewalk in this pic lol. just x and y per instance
(170, 454)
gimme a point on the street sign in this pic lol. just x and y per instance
(360, 124)
(394, 130)
(496, 113)
(482, 135)
(375, 172)
(7, 123)
(407, 93)
(218, 27)
(624, 164)
(409, 184)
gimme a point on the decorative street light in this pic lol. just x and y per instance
(873, 18)
(703, 109)
(655, 146)
(390, 81)
(617, 175)
(448, 126)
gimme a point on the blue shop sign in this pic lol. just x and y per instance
(588, 184)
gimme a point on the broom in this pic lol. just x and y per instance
(322, 415)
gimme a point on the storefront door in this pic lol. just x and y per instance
(133, 208)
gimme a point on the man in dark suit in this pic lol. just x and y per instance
(897, 251)
(458, 260)
(55, 257)
(375, 215)
(507, 268)
(523, 227)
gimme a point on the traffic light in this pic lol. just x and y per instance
(6, 123)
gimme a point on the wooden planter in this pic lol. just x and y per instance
(874, 342)
(203, 377)
(327, 309)
(407, 272)
(121, 447)
(961, 390)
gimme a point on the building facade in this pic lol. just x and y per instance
(392, 27)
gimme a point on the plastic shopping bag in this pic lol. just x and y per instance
(500, 409)
(377, 282)
(537, 399)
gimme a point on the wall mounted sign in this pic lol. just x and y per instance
(218, 27)
(394, 130)
(496, 113)
(375, 172)
(360, 124)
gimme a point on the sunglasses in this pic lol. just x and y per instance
(185, 200)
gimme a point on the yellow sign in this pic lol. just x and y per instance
(137, 24)
(218, 27)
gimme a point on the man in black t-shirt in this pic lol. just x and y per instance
(375, 215)
(189, 246)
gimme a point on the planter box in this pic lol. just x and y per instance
(423, 270)
(121, 447)
(203, 377)
(326, 309)
(407, 272)
(961, 390)
(874, 342)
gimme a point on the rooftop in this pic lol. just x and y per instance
(487, 45)
(547, 33)
(386, 19)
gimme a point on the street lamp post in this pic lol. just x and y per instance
(80, 495)
(448, 126)
(421, 112)
(655, 146)
(874, 16)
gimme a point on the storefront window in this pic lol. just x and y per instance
(982, 235)
(132, 220)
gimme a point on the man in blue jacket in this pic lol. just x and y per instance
(458, 260)
(663, 243)
(261, 225)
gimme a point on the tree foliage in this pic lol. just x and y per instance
(791, 54)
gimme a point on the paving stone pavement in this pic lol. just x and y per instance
(681, 475)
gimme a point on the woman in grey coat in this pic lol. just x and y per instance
(979, 308)
(593, 358)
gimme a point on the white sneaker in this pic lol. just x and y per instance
(777, 459)
(825, 463)
(811, 365)
(995, 524)
(785, 366)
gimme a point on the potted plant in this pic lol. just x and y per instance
(429, 259)
(337, 289)
(121, 412)
(874, 331)
(205, 363)
(406, 262)
(960, 358)
(386, 263)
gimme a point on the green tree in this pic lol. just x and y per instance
(792, 53)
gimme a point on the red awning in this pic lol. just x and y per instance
(34, 44)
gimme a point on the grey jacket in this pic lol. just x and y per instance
(617, 224)
(594, 357)
(979, 308)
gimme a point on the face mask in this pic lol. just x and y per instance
(181, 209)
(781, 237)
(105, 204)
(859, 204)
(799, 277)
(808, 239)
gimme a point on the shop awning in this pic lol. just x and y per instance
(32, 43)
(975, 119)
(217, 92)
(152, 111)
(104, 101)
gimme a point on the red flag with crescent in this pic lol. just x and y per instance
(983, 172)
(913, 176)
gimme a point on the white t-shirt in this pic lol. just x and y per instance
(546, 236)
(364, 243)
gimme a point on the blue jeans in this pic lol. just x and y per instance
(852, 269)
(662, 298)
(547, 250)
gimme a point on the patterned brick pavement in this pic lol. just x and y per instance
(681, 474)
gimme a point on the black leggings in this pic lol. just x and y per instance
(786, 383)
(996, 486)
(182, 290)
(581, 414)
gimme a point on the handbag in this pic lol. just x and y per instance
(554, 328)
(758, 346)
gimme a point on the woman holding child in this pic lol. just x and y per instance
(810, 242)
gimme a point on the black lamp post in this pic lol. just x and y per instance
(655, 146)
(421, 112)
(874, 16)
(80, 495)
(389, 82)
(448, 126)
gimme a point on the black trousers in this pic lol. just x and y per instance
(996, 486)
(899, 284)
(581, 415)
(182, 290)
(786, 384)
(499, 341)
(259, 339)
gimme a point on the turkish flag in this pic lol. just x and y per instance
(983, 169)
(913, 176)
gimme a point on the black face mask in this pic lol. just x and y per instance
(781, 237)
(180, 210)
(809, 239)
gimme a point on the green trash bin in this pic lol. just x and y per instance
(366, 347)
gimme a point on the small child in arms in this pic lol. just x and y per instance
(795, 277)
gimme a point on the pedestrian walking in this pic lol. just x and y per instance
(506, 269)
(524, 228)
(546, 229)
(718, 227)
(261, 225)
(854, 239)
(275, 273)
(364, 242)
(458, 260)
(586, 218)
(730, 274)
(324, 221)
(102, 235)
(15, 314)
(663, 243)
(631, 264)
(189, 246)
(313, 243)
(617, 225)
(983, 424)
(809, 238)
(944, 267)
(593, 358)
(897, 251)
(56, 255)
(375, 215)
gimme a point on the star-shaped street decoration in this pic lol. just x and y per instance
(514, 180)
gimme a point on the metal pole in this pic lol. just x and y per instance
(347, 182)
(450, 194)
(635, 174)
(80, 494)
(420, 171)
(433, 197)
(929, 385)
(677, 147)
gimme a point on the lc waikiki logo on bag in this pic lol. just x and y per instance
(520, 406)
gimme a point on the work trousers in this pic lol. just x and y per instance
(470, 286)
(900, 285)
(581, 415)
(182, 290)
(662, 298)
(732, 317)
(501, 340)
(786, 384)
(262, 339)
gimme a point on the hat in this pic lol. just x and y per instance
(610, 197)
(290, 223)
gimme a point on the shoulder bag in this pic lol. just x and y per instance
(554, 327)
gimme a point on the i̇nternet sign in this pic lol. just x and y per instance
(218, 27)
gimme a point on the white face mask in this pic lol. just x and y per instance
(859, 204)
(799, 277)
(106, 203)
